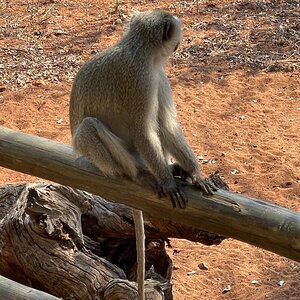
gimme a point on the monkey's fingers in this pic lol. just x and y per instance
(147, 180)
(155, 187)
(178, 198)
(161, 193)
(211, 185)
(207, 187)
(182, 199)
(172, 200)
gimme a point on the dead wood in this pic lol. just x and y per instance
(75, 245)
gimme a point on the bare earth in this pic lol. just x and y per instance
(236, 84)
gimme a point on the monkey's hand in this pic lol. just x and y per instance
(175, 193)
(146, 179)
(207, 186)
(179, 172)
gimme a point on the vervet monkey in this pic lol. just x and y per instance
(123, 117)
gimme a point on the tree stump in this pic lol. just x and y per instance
(75, 245)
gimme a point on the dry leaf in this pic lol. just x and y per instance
(234, 171)
(227, 289)
(281, 283)
(191, 273)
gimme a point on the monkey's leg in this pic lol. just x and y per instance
(140, 251)
(107, 152)
(95, 141)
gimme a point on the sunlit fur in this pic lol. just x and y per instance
(122, 114)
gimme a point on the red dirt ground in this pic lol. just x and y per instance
(235, 81)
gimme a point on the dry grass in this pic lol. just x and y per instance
(29, 53)
(250, 35)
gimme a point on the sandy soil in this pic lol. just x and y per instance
(235, 80)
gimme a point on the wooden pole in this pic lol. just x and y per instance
(250, 220)
(11, 290)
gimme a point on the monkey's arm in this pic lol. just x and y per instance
(178, 148)
(173, 140)
(171, 135)
(149, 147)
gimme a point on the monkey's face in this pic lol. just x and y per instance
(158, 30)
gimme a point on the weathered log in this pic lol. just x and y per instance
(251, 220)
(79, 246)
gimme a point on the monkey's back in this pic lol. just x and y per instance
(108, 87)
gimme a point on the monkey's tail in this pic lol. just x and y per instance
(140, 251)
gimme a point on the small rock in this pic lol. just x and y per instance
(254, 281)
(191, 273)
(286, 185)
(202, 266)
(280, 283)
(59, 32)
(38, 82)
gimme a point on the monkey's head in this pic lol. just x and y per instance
(157, 30)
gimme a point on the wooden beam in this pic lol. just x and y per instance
(11, 290)
(250, 220)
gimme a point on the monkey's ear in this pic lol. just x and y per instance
(168, 30)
